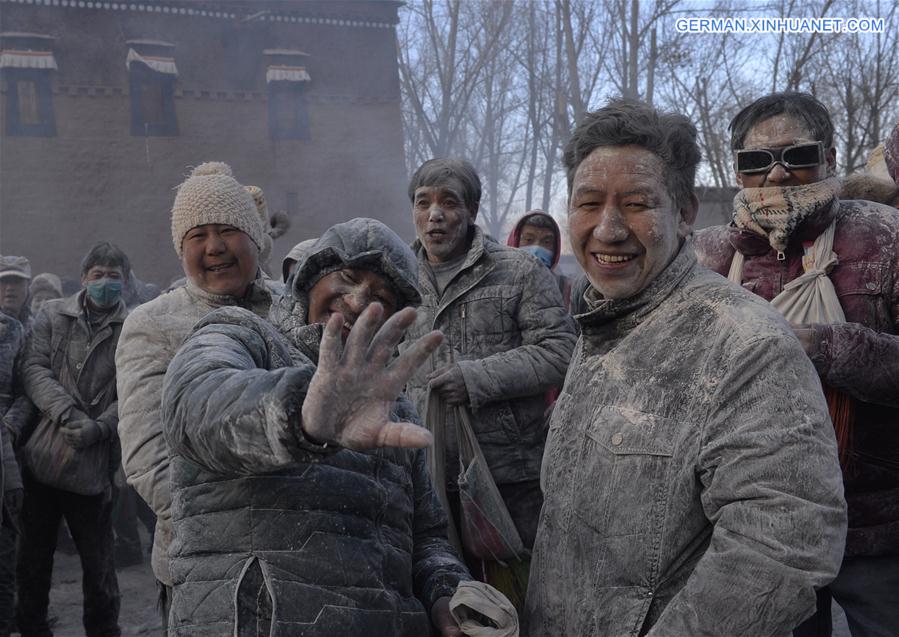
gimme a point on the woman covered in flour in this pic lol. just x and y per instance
(302, 504)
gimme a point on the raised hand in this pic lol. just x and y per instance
(353, 389)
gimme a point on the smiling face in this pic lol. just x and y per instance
(442, 220)
(219, 259)
(349, 291)
(625, 228)
(778, 132)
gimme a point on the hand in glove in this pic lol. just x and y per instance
(82, 433)
(450, 384)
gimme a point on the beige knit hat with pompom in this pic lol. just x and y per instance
(212, 195)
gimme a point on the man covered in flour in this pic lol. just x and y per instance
(832, 268)
(691, 481)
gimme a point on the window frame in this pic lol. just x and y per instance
(15, 127)
(138, 75)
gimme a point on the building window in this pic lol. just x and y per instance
(287, 78)
(29, 92)
(287, 116)
(152, 87)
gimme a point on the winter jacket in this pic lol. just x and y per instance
(691, 479)
(69, 367)
(506, 329)
(319, 543)
(514, 240)
(859, 357)
(12, 340)
(17, 412)
(152, 334)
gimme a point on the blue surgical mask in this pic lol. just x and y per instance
(104, 292)
(541, 253)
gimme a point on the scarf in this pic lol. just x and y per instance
(776, 211)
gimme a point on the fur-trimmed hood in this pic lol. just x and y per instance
(870, 188)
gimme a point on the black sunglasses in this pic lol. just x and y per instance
(761, 160)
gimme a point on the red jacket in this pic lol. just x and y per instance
(859, 357)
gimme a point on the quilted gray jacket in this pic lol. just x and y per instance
(507, 330)
(691, 477)
(268, 530)
(151, 335)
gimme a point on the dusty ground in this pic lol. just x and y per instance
(137, 585)
(138, 588)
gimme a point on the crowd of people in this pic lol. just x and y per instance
(698, 436)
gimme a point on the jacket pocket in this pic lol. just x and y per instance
(483, 324)
(622, 474)
(861, 289)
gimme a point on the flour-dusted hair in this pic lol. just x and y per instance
(669, 136)
(801, 106)
(438, 172)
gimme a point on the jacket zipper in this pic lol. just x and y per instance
(464, 330)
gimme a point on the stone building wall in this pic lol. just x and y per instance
(96, 180)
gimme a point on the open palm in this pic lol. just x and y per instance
(356, 383)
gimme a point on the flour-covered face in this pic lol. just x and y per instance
(780, 131)
(349, 291)
(219, 258)
(442, 220)
(625, 228)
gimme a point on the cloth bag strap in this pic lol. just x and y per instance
(810, 297)
(435, 421)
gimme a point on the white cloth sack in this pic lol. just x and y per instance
(487, 601)
(810, 297)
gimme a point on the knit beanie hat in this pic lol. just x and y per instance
(212, 195)
(261, 205)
